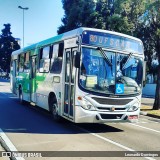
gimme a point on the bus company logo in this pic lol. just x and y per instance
(112, 109)
(6, 154)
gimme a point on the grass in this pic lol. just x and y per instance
(149, 110)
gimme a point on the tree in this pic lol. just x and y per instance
(127, 16)
(75, 11)
(8, 44)
(154, 24)
(82, 13)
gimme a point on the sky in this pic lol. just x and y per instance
(41, 20)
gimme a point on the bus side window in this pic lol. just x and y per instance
(26, 62)
(56, 61)
(21, 62)
(44, 59)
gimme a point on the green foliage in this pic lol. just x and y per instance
(153, 25)
(82, 13)
(128, 16)
(8, 44)
(77, 13)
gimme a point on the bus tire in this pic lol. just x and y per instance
(21, 96)
(54, 108)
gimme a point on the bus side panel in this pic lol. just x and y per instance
(43, 89)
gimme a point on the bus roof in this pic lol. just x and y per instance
(66, 35)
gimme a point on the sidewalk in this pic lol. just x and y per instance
(146, 108)
(147, 102)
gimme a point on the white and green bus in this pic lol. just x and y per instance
(85, 75)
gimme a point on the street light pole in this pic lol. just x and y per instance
(26, 8)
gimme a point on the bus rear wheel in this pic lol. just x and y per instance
(21, 96)
(54, 109)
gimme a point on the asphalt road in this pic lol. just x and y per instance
(33, 129)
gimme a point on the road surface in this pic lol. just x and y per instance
(32, 129)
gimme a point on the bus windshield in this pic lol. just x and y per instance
(110, 72)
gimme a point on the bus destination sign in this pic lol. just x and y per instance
(112, 41)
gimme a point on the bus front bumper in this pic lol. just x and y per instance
(87, 116)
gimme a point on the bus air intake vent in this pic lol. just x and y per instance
(112, 101)
(108, 108)
(111, 116)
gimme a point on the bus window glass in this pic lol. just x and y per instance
(55, 51)
(67, 67)
(21, 62)
(26, 62)
(45, 54)
(56, 61)
(60, 50)
(44, 61)
(72, 66)
(104, 75)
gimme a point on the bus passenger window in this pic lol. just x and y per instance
(56, 61)
(26, 62)
(21, 63)
(44, 60)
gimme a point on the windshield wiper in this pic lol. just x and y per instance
(129, 57)
(104, 55)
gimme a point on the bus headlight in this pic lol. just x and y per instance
(134, 107)
(85, 104)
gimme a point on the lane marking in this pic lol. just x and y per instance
(141, 122)
(145, 128)
(3, 93)
(7, 144)
(113, 142)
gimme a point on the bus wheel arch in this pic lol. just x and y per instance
(53, 106)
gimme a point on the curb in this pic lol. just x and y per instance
(143, 113)
(154, 116)
(6, 148)
(149, 115)
(7, 145)
(2, 150)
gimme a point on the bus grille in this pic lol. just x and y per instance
(112, 101)
(108, 108)
(111, 116)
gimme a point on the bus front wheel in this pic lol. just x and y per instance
(54, 109)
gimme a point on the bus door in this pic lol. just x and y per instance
(69, 88)
(14, 74)
(33, 87)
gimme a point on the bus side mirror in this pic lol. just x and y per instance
(77, 60)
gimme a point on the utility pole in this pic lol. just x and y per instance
(26, 8)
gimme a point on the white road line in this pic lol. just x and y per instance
(145, 128)
(112, 142)
(8, 144)
(141, 122)
(3, 93)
